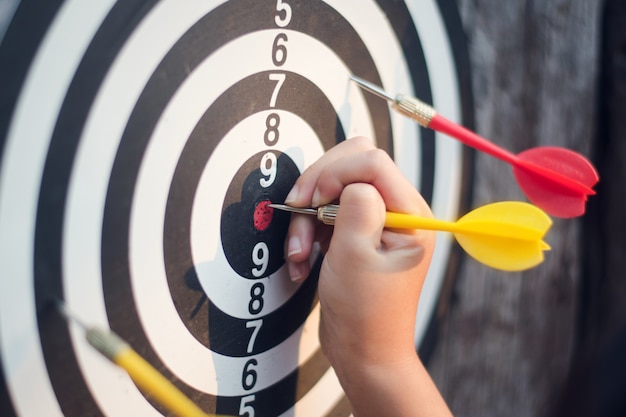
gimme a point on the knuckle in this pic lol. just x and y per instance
(378, 159)
(361, 143)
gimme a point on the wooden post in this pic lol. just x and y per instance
(507, 339)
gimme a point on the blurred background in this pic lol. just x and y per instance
(543, 72)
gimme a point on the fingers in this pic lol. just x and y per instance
(360, 220)
(373, 167)
(354, 161)
(301, 194)
(360, 232)
(304, 230)
(299, 244)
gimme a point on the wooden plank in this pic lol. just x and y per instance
(507, 338)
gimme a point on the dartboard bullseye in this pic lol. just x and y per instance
(141, 143)
(263, 215)
(252, 243)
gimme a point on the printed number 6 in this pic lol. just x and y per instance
(249, 377)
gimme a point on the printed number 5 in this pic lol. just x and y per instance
(245, 407)
(281, 22)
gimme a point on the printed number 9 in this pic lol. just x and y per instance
(260, 257)
(268, 170)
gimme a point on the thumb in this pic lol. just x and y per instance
(361, 217)
(360, 238)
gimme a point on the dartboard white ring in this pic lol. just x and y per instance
(120, 25)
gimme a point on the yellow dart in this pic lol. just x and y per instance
(140, 371)
(507, 235)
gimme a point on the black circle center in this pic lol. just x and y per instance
(255, 252)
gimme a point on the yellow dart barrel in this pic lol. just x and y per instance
(156, 385)
(148, 379)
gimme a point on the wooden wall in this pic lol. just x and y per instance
(540, 77)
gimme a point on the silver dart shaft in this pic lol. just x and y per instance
(299, 210)
(372, 88)
(105, 342)
(326, 214)
(409, 106)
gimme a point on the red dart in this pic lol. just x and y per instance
(558, 180)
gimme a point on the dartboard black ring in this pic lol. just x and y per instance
(320, 22)
(177, 250)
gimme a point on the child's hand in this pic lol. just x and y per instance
(370, 280)
(371, 277)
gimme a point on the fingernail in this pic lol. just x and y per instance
(294, 271)
(315, 201)
(294, 246)
(292, 196)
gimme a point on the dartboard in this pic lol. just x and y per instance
(140, 144)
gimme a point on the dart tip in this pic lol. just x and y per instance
(356, 79)
(372, 88)
(281, 207)
(66, 313)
